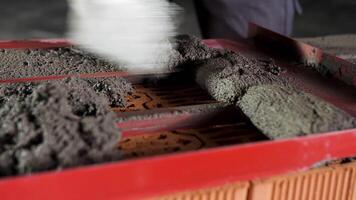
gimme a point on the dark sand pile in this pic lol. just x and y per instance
(279, 110)
(16, 63)
(58, 124)
(282, 112)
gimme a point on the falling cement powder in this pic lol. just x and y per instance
(282, 112)
(60, 124)
(19, 63)
(246, 82)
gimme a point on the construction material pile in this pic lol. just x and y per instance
(59, 124)
(68, 123)
(270, 101)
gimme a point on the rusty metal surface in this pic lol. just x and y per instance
(151, 96)
(176, 129)
(181, 140)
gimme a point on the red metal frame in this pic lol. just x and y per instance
(168, 121)
(27, 44)
(170, 173)
(48, 78)
(165, 174)
(139, 127)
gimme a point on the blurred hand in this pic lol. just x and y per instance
(134, 32)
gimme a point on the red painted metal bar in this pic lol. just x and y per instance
(139, 127)
(172, 118)
(166, 174)
(132, 77)
(26, 44)
(49, 78)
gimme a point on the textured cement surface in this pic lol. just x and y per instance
(59, 124)
(283, 112)
(227, 78)
(16, 63)
(56, 125)
(268, 99)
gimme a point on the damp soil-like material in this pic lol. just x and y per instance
(19, 63)
(191, 49)
(268, 99)
(224, 74)
(282, 112)
(113, 89)
(227, 78)
(59, 124)
(188, 51)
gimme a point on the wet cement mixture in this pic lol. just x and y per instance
(227, 78)
(67, 123)
(282, 112)
(59, 124)
(19, 63)
(258, 89)
(224, 74)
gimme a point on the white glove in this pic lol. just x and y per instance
(134, 32)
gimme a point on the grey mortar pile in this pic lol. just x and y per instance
(282, 112)
(258, 89)
(17, 63)
(59, 124)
